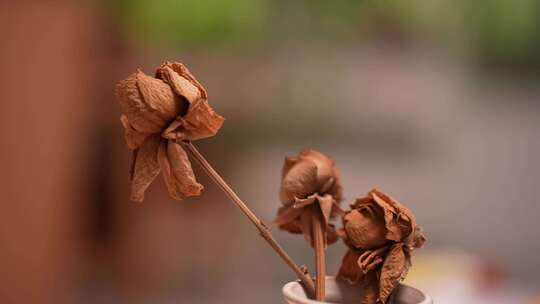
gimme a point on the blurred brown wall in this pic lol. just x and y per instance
(49, 55)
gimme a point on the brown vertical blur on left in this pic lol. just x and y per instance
(51, 55)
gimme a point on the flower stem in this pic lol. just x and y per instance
(319, 247)
(301, 272)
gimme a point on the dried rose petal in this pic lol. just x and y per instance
(400, 221)
(146, 168)
(182, 171)
(177, 172)
(394, 269)
(148, 103)
(299, 182)
(365, 227)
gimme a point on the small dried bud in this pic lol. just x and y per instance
(307, 179)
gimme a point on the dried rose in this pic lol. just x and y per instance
(377, 219)
(158, 113)
(307, 179)
(380, 234)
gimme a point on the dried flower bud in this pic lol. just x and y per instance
(308, 173)
(159, 112)
(307, 179)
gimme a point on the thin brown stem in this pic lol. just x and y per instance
(319, 247)
(301, 272)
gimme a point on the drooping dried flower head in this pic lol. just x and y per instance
(309, 178)
(158, 113)
(381, 234)
(377, 219)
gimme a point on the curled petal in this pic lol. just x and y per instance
(365, 228)
(349, 270)
(146, 168)
(182, 172)
(148, 103)
(180, 85)
(299, 182)
(399, 220)
(159, 97)
(393, 271)
(166, 171)
(200, 122)
(183, 71)
(134, 138)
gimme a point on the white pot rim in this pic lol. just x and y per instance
(293, 292)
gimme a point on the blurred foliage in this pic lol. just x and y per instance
(495, 30)
(189, 23)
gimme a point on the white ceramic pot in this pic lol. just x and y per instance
(341, 293)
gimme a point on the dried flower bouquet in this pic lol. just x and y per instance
(164, 114)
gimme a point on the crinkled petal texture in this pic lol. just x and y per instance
(177, 172)
(200, 121)
(158, 113)
(309, 179)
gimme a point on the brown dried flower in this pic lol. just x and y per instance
(307, 179)
(158, 113)
(381, 234)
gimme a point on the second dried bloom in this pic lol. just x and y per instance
(309, 178)
(159, 112)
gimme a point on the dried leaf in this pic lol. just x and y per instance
(393, 271)
(182, 171)
(146, 168)
(349, 270)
